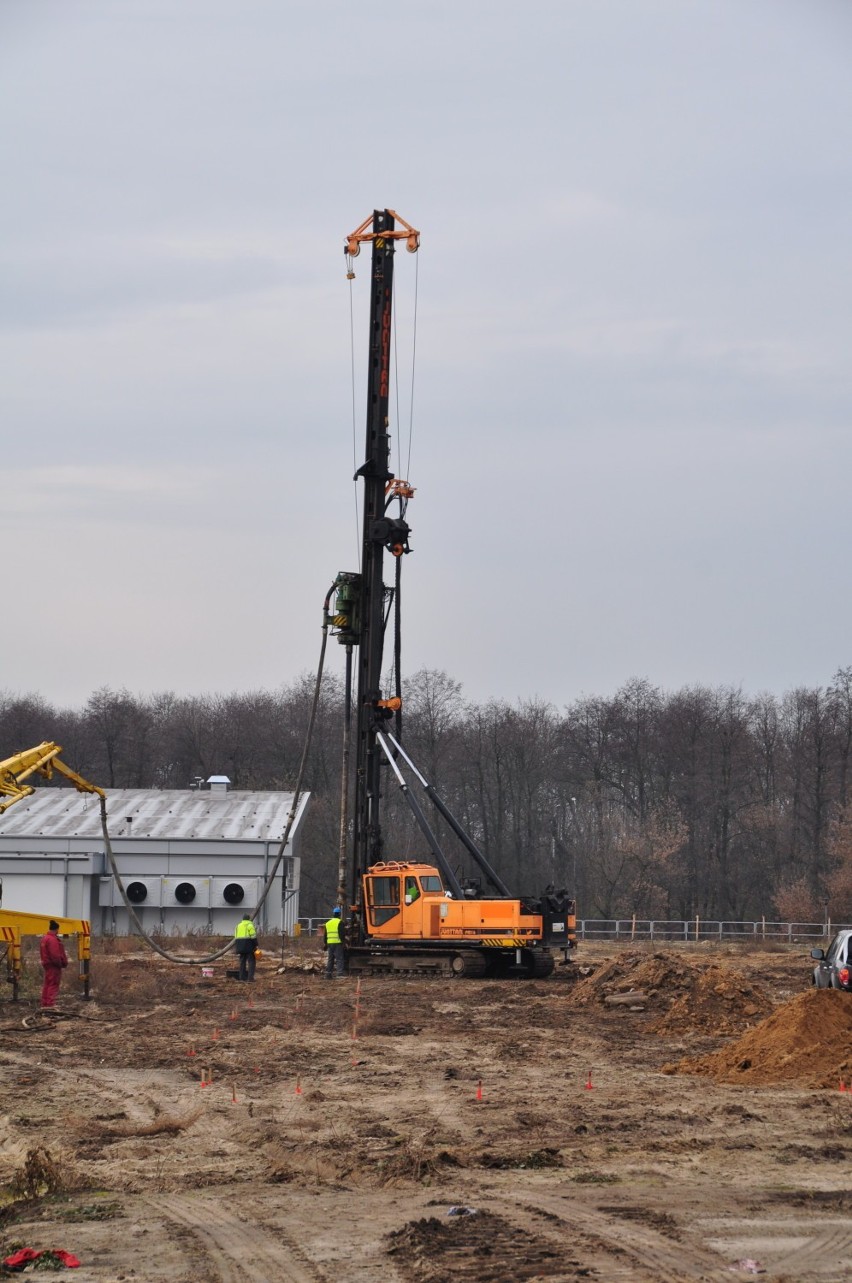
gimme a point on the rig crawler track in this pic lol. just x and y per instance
(467, 964)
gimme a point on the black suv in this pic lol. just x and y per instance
(834, 968)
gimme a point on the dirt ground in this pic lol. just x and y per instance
(672, 1114)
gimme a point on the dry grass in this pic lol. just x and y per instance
(41, 1173)
(121, 979)
(162, 1124)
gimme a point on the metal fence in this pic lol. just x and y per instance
(696, 930)
(688, 930)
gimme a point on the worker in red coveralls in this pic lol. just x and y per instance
(53, 960)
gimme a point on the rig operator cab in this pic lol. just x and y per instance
(406, 906)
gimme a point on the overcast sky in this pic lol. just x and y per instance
(632, 390)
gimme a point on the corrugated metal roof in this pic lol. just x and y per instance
(174, 814)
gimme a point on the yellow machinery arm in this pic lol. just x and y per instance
(14, 925)
(43, 760)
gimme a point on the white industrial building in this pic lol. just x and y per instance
(191, 860)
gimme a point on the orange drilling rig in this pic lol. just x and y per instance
(411, 916)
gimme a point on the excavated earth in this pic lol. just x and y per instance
(653, 1115)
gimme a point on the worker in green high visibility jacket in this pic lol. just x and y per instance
(335, 961)
(245, 943)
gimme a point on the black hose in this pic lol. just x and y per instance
(134, 917)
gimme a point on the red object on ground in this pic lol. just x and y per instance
(19, 1259)
(589, 1084)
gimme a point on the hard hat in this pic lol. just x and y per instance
(335, 913)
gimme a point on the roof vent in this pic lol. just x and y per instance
(219, 783)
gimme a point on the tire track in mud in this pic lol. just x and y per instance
(827, 1252)
(236, 1249)
(627, 1241)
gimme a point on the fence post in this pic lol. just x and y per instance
(633, 929)
(696, 928)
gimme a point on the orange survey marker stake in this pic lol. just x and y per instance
(233, 1014)
(298, 1086)
(191, 1051)
(589, 1084)
(842, 1085)
(215, 1035)
(479, 1090)
(251, 1002)
(233, 1093)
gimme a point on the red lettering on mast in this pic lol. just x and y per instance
(384, 370)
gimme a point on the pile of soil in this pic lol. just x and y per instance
(692, 996)
(474, 1248)
(659, 976)
(805, 1043)
(719, 1001)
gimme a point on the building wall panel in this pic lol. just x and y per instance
(35, 893)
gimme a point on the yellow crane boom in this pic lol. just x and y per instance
(42, 760)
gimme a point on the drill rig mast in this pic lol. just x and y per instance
(410, 915)
(381, 533)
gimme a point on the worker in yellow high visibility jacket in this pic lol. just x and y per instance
(245, 943)
(335, 961)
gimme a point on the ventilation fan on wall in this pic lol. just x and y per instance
(141, 891)
(228, 893)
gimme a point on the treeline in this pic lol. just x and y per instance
(702, 801)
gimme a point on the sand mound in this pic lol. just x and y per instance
(805, 1043)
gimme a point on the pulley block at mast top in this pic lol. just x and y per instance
(367, 231)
